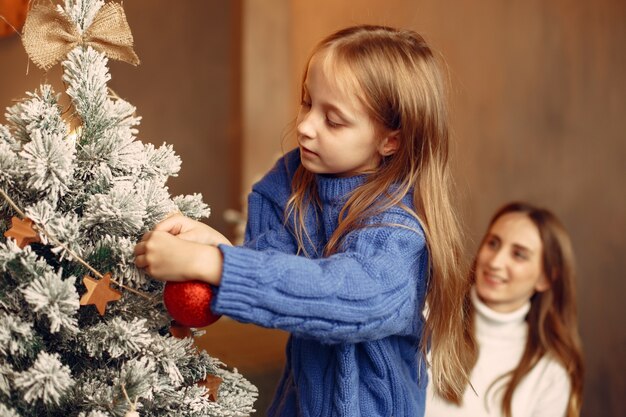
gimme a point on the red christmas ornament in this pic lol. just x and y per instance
(189, 303)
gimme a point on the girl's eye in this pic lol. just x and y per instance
(332, 124)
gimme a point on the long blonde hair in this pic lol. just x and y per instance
(552, 319)
(399, 83)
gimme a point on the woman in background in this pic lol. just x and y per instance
(529, 360)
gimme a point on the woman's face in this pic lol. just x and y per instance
(509, 266)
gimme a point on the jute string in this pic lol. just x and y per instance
(54, 240)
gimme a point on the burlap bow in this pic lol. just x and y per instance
(49, 35)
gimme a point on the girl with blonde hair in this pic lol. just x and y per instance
(529, 362)
(347, 237)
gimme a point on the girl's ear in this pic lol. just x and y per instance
(390, 143)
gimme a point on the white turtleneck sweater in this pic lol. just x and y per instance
(501, 337)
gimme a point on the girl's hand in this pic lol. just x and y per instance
(191, 230)
(168, 258)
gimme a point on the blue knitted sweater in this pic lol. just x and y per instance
(354, 317)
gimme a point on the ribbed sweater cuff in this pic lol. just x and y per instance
(239, 290)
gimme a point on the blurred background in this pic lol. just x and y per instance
(538, 102)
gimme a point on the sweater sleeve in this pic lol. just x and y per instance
(369, 291)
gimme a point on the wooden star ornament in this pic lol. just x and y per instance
(99, 292)
(212, 384)
(23, 231)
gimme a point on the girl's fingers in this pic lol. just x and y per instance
(176, 229)
(140, 248)
(166, 224)
(173, 224)
(141, 261)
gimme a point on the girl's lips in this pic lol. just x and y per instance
(306, 151)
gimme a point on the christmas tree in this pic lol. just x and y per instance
(83, 332)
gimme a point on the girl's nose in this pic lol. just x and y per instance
(306, 125)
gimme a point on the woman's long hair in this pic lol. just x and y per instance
(552, 319)
(395, 75)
